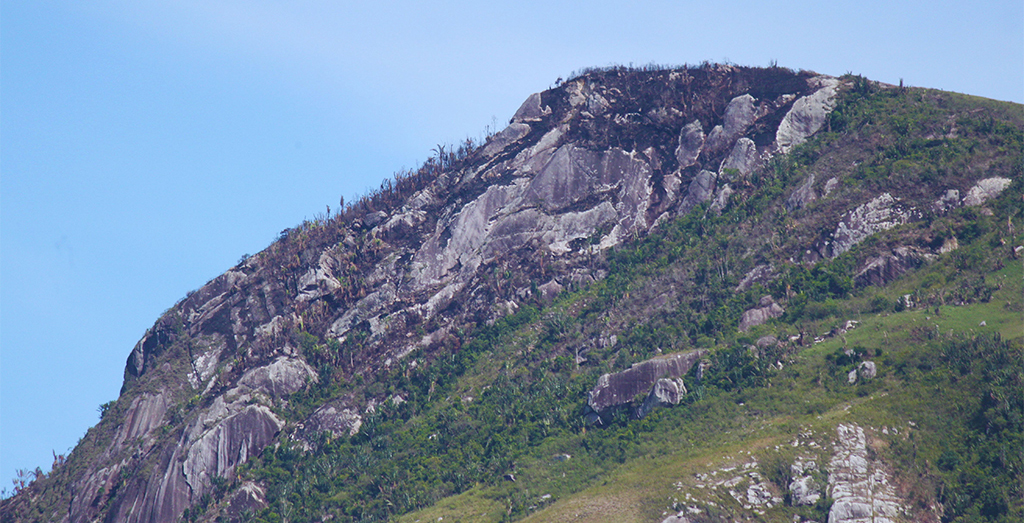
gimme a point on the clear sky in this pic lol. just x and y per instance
(146, 146)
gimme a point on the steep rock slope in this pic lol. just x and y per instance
(473, 236)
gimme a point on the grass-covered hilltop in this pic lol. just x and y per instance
(710, 293)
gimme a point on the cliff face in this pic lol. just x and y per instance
(601, 160)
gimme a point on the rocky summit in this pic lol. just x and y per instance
(622, 307)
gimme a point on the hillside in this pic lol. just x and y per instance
(712, 293)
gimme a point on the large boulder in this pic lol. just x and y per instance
(666, 391)
(702, 187)
(742, 159)
(804, 491)
(739, 114)
(807, 115)
(766, 310)
(531, 110)
(691, 141)
(620, 388)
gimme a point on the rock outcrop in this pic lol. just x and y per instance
(665, 392)
(807, 115)
(621, 388)
(860, 487)
(766, 310)
(881, 213)
(803, 195)
(985, 190)
(881, 270)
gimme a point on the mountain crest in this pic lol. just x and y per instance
(398, 281)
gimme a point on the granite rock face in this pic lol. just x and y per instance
(807, 115)
(620, 388)
(665, 392)
(743, 159)
(986, 189)
(766, 310)
(880, 270)
(861, 488)
(739, 114)
(691, 141)
(881, 213)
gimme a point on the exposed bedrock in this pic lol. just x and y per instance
(621, 388)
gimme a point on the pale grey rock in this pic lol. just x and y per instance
(881, 213)
(722, 198)
(701, 188)
(531, 110)
(691, 141)
(807, 115)
(739, 114)
(318, 280)
(861, 488)
(884, 269)
(249, 498)
(408, 218)
(851, 377)
(671, 183)
(760, 495)
(549, 291)
(337, 417)
(766, 341)
(507, 136)
(367, 307)
(217, 451)
(804, 491)
(620, 388)
(597, 105)
(985, 190)
(533, 211)
(282, 377)
(949, 200)
(145, 415)
(373, 218)
(759, 274)
(830, 185)
(802, 196)
(766, 310)
(421, 199)
(578, 92)
(678, 518)
(802, 467)
(666, 391)
(742, 159)
(867, 370)
(207, 358)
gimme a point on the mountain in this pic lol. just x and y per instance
(700, 294)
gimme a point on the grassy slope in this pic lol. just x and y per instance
(642, 488)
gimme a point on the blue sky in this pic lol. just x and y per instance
(146, 146)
